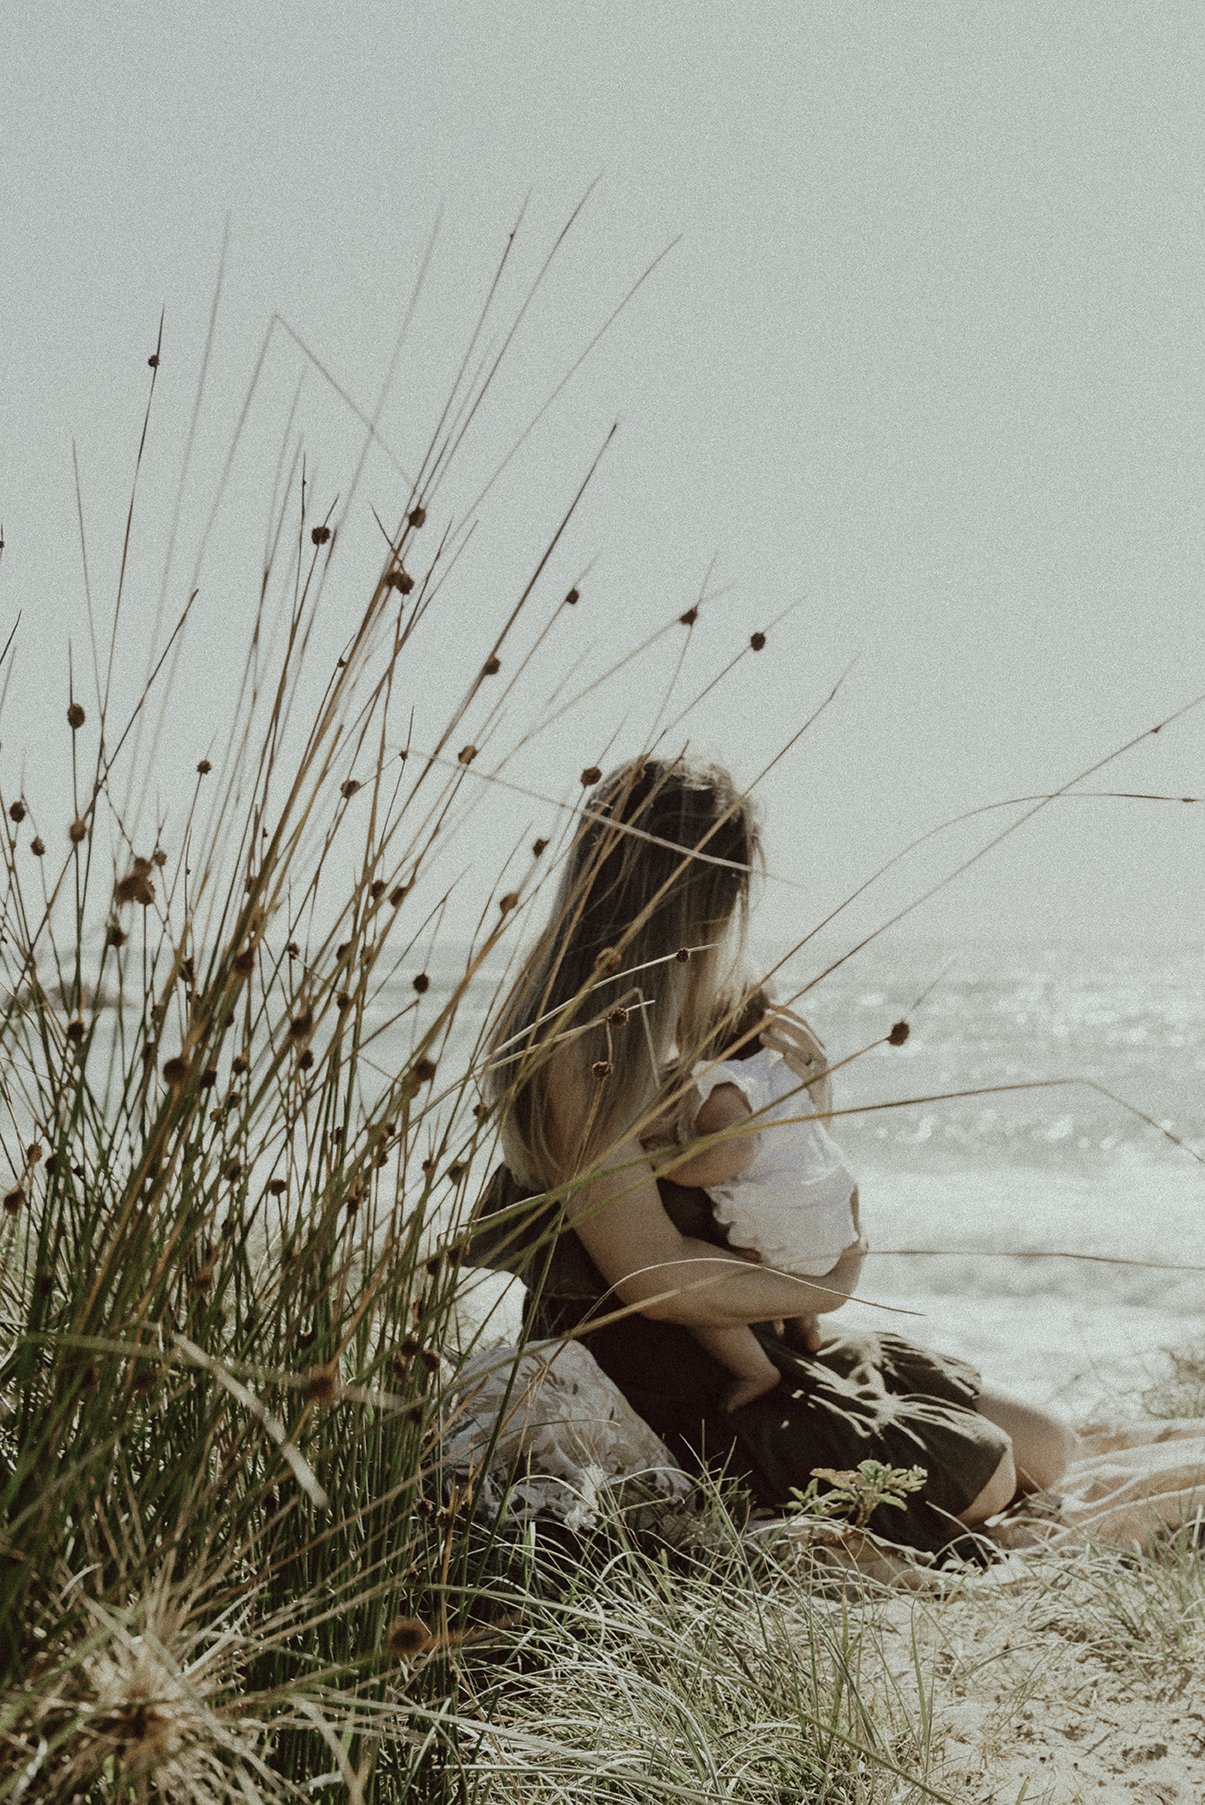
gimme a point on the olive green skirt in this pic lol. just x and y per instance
(861, 1396)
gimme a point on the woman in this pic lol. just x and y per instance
(622, 989)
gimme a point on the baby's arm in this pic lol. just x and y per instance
(741, 1353)
(725, 1109)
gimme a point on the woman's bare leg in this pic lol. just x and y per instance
(1043, 1445)
(996, 1494)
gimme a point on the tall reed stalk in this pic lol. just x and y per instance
(241, 1126)
(234, 1144)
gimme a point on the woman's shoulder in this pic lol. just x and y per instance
(521, 1229)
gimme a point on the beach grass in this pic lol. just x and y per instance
(238, 1147)
(242, 1125)
(1181, 1389)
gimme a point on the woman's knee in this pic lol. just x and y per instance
(1043, 1445)
(996, 1495)
(1048, 1451)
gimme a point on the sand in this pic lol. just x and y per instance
(1030, 1703)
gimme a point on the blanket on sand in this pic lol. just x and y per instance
(1131, 1481)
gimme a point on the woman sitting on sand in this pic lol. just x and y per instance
(621, 994)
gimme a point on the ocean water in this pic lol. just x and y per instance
(1034, 1228)
(1046, 1228)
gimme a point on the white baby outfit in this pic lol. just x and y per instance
(791, 1205)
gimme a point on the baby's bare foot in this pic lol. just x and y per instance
(744, 1391)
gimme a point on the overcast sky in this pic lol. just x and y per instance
(921, 374)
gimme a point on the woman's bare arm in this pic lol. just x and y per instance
(671, 1277)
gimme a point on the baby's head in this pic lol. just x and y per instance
(738, 1021)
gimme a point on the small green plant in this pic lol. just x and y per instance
(856, 1493)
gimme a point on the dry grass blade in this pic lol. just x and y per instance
(272, 1425)
(240, 1069)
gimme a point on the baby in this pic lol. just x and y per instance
(779, 1188)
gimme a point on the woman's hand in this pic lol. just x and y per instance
(845, 1274)
(795, 1039)
(802, 1050)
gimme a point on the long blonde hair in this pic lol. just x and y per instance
(655, 880)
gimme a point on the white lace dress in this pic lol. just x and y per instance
(543, 1428)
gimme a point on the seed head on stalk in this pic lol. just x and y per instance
(136, 886)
